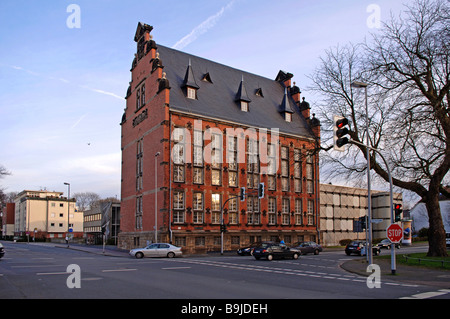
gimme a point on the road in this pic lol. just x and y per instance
(41, 271)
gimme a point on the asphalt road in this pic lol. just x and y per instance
(44, 271)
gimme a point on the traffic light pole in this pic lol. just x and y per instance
(391, 198)
(222, 224)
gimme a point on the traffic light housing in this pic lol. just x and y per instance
(223, 228)
(362, 220)
(339, 132)
(242, 194)
(398, 212)
(261, 190)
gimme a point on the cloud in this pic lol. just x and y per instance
(202, 28)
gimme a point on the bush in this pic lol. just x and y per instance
(344, 242)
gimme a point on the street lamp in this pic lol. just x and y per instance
(156, 197)
(68, 211)
(364, 85)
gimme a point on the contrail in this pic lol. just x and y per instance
(16, 67)
(202, 28)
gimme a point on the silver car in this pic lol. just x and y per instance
(157, 250)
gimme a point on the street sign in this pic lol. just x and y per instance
(394, 233)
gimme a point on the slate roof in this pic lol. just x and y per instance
(218, 99)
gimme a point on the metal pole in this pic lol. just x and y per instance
(68, 213)
(369, 195)
(391, 199)
(156, 198)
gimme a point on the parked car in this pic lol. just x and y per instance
(247, 250)
(308, 247)
(359, 248)
(2, 250)
(275, 251)
(386, 243)
(157, 250)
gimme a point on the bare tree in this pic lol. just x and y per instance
(86, 200)
(408, 71)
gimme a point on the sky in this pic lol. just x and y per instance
(65, 68)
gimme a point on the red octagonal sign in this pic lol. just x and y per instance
(394, 233)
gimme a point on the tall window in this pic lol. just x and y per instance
(198, 158)
(139, 164)
(216, 159)
(253, 214)
(138, 214)
(178, 207)
(216, 206)
(271, 167)
(298, 211)
(140, 96)
(191, 93)
(272, 210)
(310, 174)
(285, 211)
(284, 168)
(197, 206)
(232, 162)
(252, 164)
(310, 212)
(297, 171)
(233, 214)
(178, 154)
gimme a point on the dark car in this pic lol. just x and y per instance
(308, 247)
(275, 251)
(386, 243)
(247, 250)
(359, 248)
(2, 250)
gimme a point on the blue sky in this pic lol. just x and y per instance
(62, 89)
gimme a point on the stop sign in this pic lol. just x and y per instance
(394, 233)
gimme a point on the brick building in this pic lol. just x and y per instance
(194, 132)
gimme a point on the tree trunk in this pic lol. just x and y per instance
(436, 231)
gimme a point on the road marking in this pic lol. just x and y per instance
(34, 266)
(117, 270)
(430, 294)
(53, 273)
(169, 268)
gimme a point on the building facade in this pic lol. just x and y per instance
(194, 132)
(341, 207)
(45, 214)
(102, 219)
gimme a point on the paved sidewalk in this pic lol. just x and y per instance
(405, 274)
(93, 249)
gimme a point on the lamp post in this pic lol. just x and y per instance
(68, 211)
(357, 84)
(156, 197)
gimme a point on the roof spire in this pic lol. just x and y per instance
(285, 104)
(242, 92)
(189, 79)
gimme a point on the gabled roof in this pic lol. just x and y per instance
(140, 30)
(218, 100)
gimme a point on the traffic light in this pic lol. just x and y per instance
(362, 220)
(398, 212)
(339, 132)
(223, 228)
(242, 194)
(261, 190)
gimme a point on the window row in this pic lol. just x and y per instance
(253, 212)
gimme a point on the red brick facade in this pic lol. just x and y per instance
(190, 193)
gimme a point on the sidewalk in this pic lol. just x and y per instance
(405, 274)
(112, 251)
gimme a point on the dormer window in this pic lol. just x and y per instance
(244, 106)
(190, 84)
(242, 97)
(288, 117)
(191, 93)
